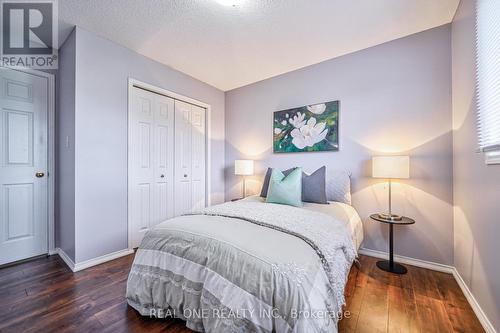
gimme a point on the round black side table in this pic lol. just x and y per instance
(390, 265)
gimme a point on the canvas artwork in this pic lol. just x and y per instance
(308, 128)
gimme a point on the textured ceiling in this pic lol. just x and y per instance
(231, 46)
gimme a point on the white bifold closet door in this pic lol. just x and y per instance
(189, 157)
(166, 160)
(151, 174)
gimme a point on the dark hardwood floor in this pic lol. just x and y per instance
(419, 301)
(45, 296)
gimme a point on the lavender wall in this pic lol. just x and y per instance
(476, 186)
(65, 153)
(395, 98)
(100, 129)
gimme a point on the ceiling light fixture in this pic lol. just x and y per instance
(228, 3)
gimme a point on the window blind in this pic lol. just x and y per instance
(488, 73)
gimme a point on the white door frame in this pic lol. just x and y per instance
(208, 127)
(51, 123)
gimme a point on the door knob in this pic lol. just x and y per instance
(185, 176)
(162, 176)
(39, 174)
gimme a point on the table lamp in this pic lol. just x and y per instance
(243, 168)
(390, 167)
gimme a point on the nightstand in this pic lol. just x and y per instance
(390, 265)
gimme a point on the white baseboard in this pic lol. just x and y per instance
(75, 267)
(481, 316)
(102, 259)
(67, 260)
(409, 261)
(483, 319)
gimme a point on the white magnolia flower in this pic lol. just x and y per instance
(309, 134)
(287, 115)
(298, 120)
(317, 109)
(283, 122)
(277, 131)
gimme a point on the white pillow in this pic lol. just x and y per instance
(338, 186)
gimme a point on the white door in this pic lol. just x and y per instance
(183, 197)
(189, 157)
(23, 165)
(151, 152)
(198, 157)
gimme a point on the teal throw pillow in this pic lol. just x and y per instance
(285, 190)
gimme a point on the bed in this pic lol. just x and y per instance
(248, 266)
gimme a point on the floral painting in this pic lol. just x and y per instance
(309, 128)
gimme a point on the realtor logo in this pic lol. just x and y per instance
(29, 34)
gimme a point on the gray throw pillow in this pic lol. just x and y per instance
(314, 186)
(265, 185)
(338, 186)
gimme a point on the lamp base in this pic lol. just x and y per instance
(391, 267)
(392, 217)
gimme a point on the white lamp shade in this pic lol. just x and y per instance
(243, 167)
(391, 167)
